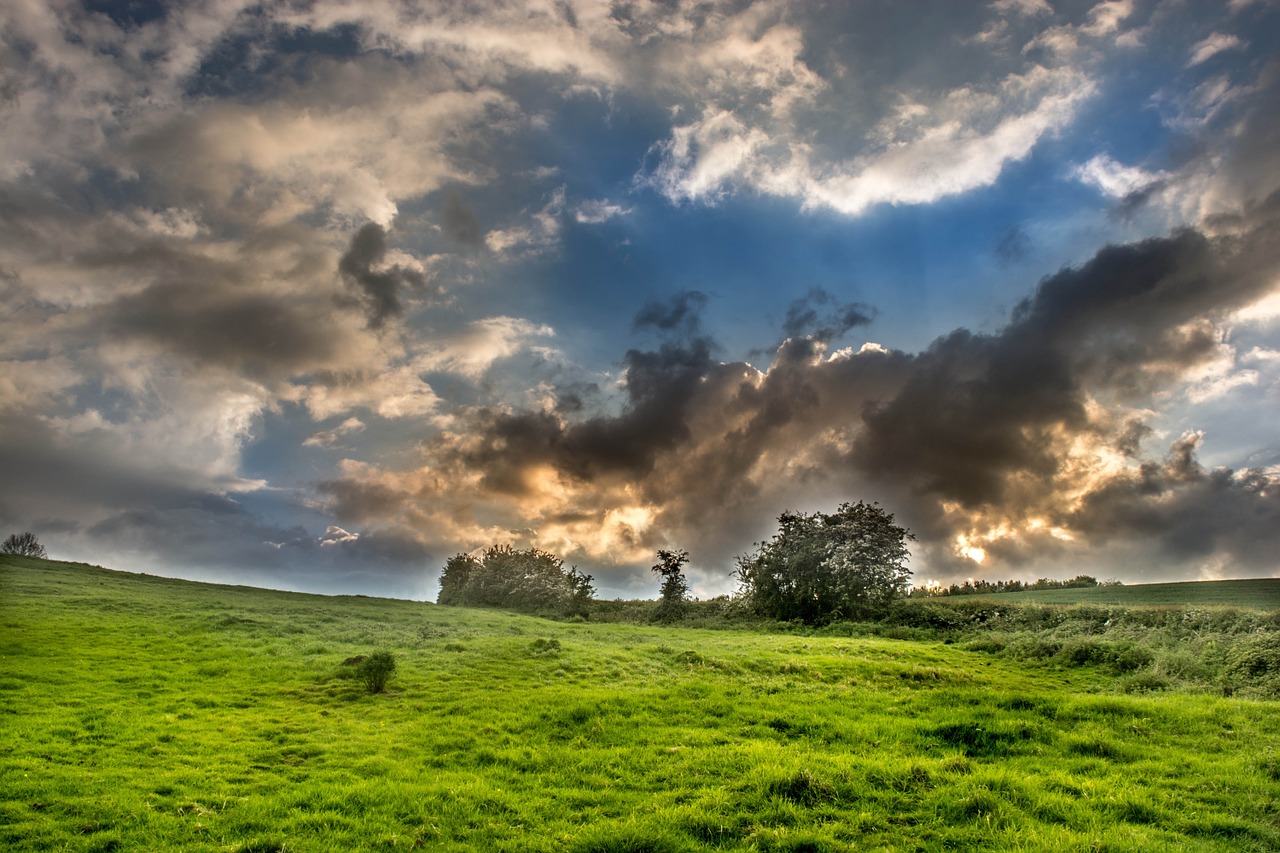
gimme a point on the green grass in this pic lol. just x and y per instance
(145, 714)
(1257, 594)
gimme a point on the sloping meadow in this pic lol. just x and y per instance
(145, 714)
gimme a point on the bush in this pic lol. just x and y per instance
(376, 670)
(23, 545)
(1253, 667)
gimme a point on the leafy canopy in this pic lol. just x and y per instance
(820, 567)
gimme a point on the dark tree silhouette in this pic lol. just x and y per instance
(675, 589)
(24, 545)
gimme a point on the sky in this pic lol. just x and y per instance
(314, 295)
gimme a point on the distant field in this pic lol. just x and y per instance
(1260, 594)
(138, 713)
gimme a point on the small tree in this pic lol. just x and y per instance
(675, 588)
(23, 545)
(850, 564)
(582, 592)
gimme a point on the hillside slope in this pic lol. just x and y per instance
(144, 714)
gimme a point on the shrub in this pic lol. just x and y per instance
(543, 647)
(1253, 666)
(375, 671)
(1143, 682)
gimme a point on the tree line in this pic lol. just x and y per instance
(818, 568)
(985, 587)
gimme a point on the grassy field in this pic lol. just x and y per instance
(1259, 593)
(145, 714)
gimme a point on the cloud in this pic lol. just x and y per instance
(1013, 446)
(334, 535)
(959, 142)
(1023, 7)
(1013, 245)
(225, 231)
(679, 314)
(1114, 179)
(393, 390)
(473, 350)
(327, 437)
(540, 235)
(597, 211)
(767, 121)
(821, 317)
(1211, 45)
(460, 221)
(379, 285)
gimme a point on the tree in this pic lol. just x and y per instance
(531, 580)
(454, 578)
(23, 545)
(675, 589)
(850, 564)
(582, 592)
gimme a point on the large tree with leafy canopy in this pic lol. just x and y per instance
(822, 567)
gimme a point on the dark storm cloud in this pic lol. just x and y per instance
(661, 387)
(977, 409)
(460, 222)
(58, 475)
(379, 288)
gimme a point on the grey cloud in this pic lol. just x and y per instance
(976, 409)
(87, 503)
(820, 316)
(680, 314)
(379, 289)
(1192, 514)
(257, 334)
(460, 222)
(661, 387)
(1013, 245)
